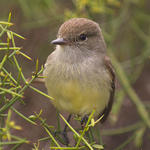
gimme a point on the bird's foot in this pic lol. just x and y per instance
(62, 136)
(84, 121)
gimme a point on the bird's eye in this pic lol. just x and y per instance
(83, 37)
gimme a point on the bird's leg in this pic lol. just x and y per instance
(84, 121)
(64, 133)
(89, 133)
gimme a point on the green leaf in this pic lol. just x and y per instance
(97, 146)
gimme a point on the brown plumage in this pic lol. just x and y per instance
(79, 75)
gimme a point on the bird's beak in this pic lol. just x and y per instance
(59, 41)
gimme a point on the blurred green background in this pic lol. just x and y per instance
(126, 28)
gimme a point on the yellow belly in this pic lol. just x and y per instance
(74, 98)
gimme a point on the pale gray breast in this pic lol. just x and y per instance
(74, 65)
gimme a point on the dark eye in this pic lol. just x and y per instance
(82, 37)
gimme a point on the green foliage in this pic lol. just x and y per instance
(11, 89)
(126, 28)
(88, 8)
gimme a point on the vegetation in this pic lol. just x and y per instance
(125, 25)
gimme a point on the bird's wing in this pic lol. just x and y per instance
(111, 98)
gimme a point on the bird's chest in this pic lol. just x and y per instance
(77, 88)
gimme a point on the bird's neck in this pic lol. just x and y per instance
(70, 54)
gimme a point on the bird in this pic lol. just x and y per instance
(78, 73)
